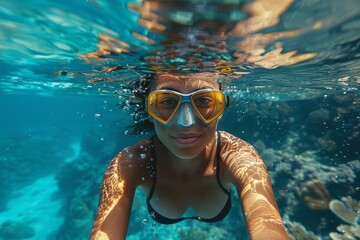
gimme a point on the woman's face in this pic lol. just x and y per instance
(185, 135)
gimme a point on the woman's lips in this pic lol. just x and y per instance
(186, 139)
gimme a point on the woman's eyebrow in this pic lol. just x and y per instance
(169, 88)
(201, 89)
(177, 90)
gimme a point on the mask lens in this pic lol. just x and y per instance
(209, 104)
(163, 105)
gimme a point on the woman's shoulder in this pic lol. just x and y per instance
(238, 156)
(141, 147)
(229, 140)
(237, 149)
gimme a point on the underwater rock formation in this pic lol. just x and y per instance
(193, 234)
(79, 184)
(16, 230)
(78, 220)
(25, 157)
(347, 210)
(211, 233)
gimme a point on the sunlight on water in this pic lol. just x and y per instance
(276, 49)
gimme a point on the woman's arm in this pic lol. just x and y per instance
(251, 178)
(116, 197)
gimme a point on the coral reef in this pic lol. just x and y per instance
(297, 231)
(347, 210)
(318, 116)
(315, 195)
(303, 186)
(343, 181)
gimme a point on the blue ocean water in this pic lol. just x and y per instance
(292, 70)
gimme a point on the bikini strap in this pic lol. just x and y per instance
(218, 149)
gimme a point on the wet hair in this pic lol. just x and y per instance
(133, 95)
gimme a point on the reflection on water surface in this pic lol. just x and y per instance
(272, 47)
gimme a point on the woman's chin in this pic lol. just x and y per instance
(186, 154)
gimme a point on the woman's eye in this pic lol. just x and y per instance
(204, 102)
(167, 102)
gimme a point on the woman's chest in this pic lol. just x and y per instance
(174, 196)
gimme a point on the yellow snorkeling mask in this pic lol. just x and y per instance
(209, 104)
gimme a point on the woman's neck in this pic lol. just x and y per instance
(173, 164)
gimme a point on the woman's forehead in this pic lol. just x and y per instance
(186, 83)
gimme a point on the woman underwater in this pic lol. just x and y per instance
(187, 164)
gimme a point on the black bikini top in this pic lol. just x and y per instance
(222, 214)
